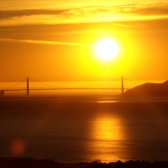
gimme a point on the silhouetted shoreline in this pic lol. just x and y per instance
(48, 163)
(149, 90)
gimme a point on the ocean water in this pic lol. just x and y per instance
(77, 128)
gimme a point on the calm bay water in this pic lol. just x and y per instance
(74, 129)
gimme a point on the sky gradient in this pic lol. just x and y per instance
(53, 40)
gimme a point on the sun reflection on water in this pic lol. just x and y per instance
(107, 128)
(108, 136)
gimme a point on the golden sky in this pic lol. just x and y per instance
(52, 40)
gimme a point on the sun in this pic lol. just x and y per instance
(106, 49)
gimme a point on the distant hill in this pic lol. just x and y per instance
(149, 89)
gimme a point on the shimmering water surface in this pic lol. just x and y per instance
(72, 130)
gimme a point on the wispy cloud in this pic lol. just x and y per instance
(45, 42)
(150, 9)
(4, 14)
(85, 14)
(157, 9)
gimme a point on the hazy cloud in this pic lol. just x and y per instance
(96, 11)
(90, 12)
(72, 21)
(4, 14)
(151, 10)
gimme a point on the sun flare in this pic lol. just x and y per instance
(106, 49)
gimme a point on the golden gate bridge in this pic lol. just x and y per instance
(27, 88)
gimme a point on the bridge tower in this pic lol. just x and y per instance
(28, 87)
(122, 85)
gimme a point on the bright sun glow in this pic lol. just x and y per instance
(106, 49)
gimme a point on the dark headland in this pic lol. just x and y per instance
(149, 90)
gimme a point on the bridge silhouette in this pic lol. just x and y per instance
(27, 89)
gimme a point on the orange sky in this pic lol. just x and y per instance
(50, 40)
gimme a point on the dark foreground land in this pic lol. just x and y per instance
(34, 163)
